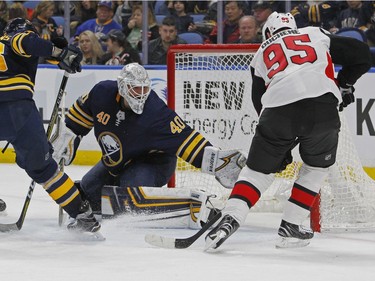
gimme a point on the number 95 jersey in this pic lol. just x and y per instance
(295, 65)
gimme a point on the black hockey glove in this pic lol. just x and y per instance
(60, 42)
(70, 59)
(347, 94)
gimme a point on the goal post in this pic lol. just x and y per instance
(209, 86)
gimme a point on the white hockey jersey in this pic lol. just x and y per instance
(295, 65)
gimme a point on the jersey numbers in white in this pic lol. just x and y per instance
(177, 125)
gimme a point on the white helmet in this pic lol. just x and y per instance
(134, 85)
(277, 21)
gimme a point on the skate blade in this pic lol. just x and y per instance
(291, 242)
(211, 244)
(88, 236)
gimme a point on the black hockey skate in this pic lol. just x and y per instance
(225, 228)
(86, 222)
(293, 236)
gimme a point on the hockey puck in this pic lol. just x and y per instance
(3, 206)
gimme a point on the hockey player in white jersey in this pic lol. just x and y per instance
(298, 99)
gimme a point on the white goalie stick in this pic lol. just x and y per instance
(5, 227)
(180, 243)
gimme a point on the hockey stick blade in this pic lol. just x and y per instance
(5, 227)
(179, 243)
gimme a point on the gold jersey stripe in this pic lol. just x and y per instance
(79, 122)
(192, 146)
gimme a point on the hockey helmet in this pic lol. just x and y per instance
(19, 25)
(134, 86)
(278, 21)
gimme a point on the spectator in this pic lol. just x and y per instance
(124, 11)
(119, 50)
(184, 22)
(43, 17)
(158, 48)
(133, 30)
(233, 12)
(349, 17)
(17, 10)
(103, 22)
(261, 12)
(87, 10)
(367, 21)
(3, 16)
(91, 48)
(248, 30)
(322, 14)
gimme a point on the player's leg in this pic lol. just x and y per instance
(33, 154)
(318, 145)
(269, 148)
(153, 170)
(92, 184)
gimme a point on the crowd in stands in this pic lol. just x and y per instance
(110, 32)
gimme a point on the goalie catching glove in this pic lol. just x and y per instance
(65, 145)
(226, 165)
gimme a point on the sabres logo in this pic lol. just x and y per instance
(111, 148)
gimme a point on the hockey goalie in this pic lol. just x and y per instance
(140, 139)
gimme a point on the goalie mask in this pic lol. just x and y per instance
(134, 86)
(19, 25)
(277, 22)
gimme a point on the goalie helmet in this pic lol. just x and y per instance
(19, 25)
(278, 21)
(134, 86)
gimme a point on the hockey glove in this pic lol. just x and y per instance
(226, 165)
(65, 145)
(70, 59)
(347, 94)
(59, 42)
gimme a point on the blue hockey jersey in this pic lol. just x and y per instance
(19, 56)
(124, 135)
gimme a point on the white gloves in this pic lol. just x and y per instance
(226, 165)
(65, 145)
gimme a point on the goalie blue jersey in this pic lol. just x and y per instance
(124, 135)
(19, 56)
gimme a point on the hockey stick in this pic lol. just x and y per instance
(180, 243)
(18, 225)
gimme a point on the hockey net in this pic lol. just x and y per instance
(209, 86)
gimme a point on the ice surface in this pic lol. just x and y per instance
(44, 251)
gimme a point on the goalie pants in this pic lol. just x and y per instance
(153, 170)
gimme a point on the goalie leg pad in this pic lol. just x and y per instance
(168, 207)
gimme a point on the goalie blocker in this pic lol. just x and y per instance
(157, 206)
(226, 165)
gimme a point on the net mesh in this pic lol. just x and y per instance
(212, 93)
